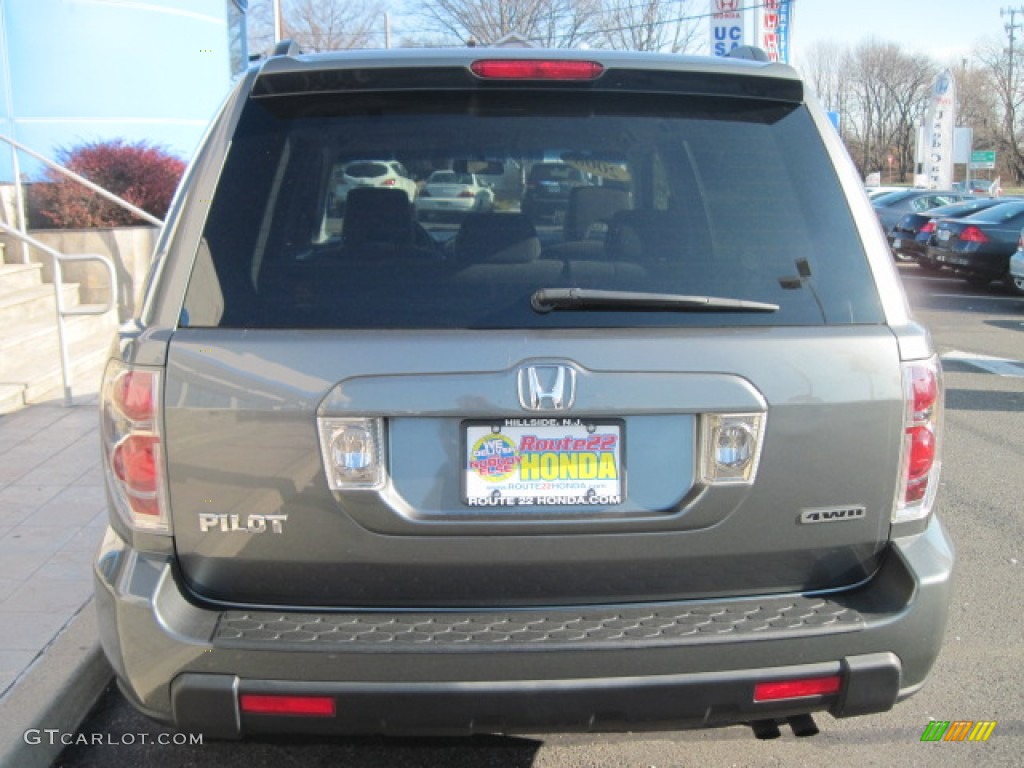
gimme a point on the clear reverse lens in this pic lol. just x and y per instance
(731, 447)
(352, 452)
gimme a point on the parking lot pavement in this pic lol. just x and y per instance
(52, 517)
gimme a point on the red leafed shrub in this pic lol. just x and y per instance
(144, 175)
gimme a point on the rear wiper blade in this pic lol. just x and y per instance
(547, 299)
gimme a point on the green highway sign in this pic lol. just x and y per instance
(983, 159)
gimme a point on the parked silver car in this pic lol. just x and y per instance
(448, 192)
(672, 464)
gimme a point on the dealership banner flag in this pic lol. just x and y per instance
(726, 26)
(776, 25)
(939, 121)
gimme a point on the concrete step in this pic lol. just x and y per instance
(33, 346)
(12, 397)
(47, 384)
(15, 276)
(33, 302)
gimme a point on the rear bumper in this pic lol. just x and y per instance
(972, 261)
(637, 667)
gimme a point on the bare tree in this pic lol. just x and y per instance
(1007, 75)
(259, 21)
(547, 23)
(648, 25)
(330, 25)
(888, 93)
(317, 25)
(823, 66)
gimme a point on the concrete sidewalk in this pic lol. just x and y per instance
(52, 518)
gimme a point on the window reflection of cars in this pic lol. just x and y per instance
(373, 173)
(547, 190)
(450, 192)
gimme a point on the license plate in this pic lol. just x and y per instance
(943, 235)
(897, 244)
(543, 462)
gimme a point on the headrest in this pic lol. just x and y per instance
(377, 214)
(497, 238)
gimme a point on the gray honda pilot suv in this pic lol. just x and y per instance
(669, 462)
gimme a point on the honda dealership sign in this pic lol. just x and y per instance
(726, 26)
(938, 126)
(776, 25)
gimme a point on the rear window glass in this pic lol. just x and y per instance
(685, 195)
(998, 214)
(365, 170)
(447, 177)
(545, 172)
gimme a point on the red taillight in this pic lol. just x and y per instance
(921, 428)
(929, 227)
(924, 388)
(133, 395)
(135, 463)
(546, 69)
(303, 706)
(388, 183)
(132, 444)
(797, 689)
(466, 193)
(973, 235)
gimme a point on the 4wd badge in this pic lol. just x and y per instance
(832, 515)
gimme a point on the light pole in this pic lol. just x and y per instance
(1011, 30)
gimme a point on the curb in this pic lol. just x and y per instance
(55, 693)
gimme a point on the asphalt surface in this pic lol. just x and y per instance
(977, 677)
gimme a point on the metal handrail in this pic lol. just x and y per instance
(83, 181)
(58, 284)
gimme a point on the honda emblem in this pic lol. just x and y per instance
(547, 387)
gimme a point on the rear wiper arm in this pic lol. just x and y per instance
(547, 299)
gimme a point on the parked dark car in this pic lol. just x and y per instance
(908, 239)
(894, 206)
(975, 186)
(548, 187)
(978, 247)
(1016, 281)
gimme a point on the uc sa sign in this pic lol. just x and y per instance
(725, 37)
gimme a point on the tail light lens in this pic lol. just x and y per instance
(302, 706)
(388, 183)
(132, 445)
(536, 69)
(798, 689)
(929, 227)
(973, 235)
(466, 193)
(922, 432)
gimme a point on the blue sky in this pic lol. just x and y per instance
(946, 30)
